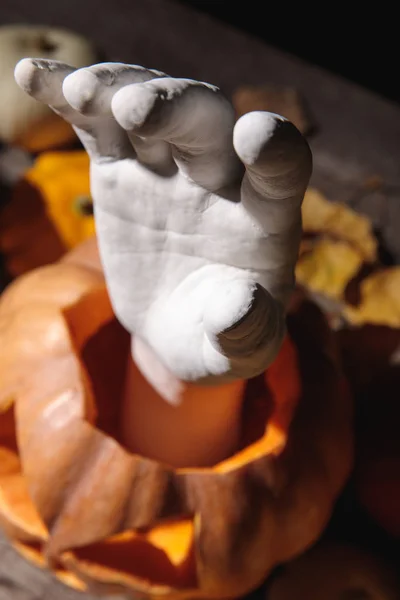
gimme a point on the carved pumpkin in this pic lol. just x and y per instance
(103, 519)
(49, 212)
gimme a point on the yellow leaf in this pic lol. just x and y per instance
(339, 221)
(380, 300)
(328, 267)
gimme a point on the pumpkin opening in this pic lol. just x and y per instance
(267, 406)
(17, 513)
(261, 409)
(162, 556)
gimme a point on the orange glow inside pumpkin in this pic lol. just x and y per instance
(162, 555)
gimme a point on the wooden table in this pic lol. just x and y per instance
(358, 133)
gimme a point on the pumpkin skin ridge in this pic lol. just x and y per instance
(278, 470)
(48, 509)
(15, 525)
(147, 504)
(63, 533)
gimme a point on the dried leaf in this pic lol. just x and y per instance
(328, 267)
(380, 300)
(339, 221)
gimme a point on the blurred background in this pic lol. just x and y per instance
(361, 47)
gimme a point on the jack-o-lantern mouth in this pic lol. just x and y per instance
(74, 498)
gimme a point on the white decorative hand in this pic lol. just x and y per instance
(198, 218)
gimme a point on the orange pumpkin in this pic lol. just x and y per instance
(103, 519)
(49, 212)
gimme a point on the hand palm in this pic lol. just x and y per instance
(198, 247)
